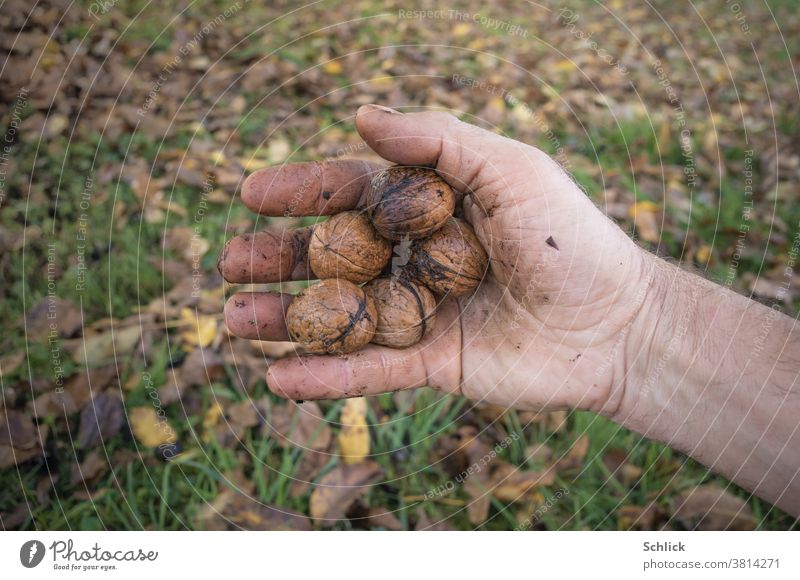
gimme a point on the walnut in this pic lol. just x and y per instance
(405, 311)
(332, 317)
(408, 202)
(450, 262)
(346, 246)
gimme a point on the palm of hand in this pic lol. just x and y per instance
(543, 330)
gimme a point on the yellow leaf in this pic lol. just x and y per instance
(150, 429)
(210, 420)
(203, 328)
(462, 29)
(354, 436)
(565, 65)
(252, 163)
(703, 254)
(642, 206)
(333, 67)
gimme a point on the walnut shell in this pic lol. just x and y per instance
(408, 202)
(347, 246)
(332, 317)
(405, 311)
(450, 262)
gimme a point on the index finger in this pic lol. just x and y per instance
(308, 189)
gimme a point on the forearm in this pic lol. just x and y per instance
(715, 375)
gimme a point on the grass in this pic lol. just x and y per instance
(168, 496)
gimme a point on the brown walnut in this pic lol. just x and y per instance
(346, 246)
(450, 262)
(408, 202)
(405, 311)
(332, 317)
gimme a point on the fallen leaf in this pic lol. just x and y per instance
(573, 459)
(300, 426)
(310, 465)
(10, 455)
(11, 362)
(210, 420)
(364, 516)
(201, 367)
(711, 507)
(339, 488)
(635, 517)
(616, 461)
(100, 348)
(645, 216)
(17, 430)
(354, 436)
(90, 469)
(149, 429)
(424, 523)
(236, 510)
(509, 483)
(53, 315)
(202, 329)
(333, 67)
(101, 419)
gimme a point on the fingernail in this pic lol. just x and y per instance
(381, 108)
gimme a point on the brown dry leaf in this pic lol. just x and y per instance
(90, 469)
(339, 488)
(235, 510)
(646, 217)
(201, 367)
(616, 461)
(464, 451)
(573, 459)
(364, 516)
(149, 429)
(509, 483)
(18, 430)
(10, 455)
(173, 388)
(237, 419)
(185, 242)
(53, 315)
(300, 426)
(635, 517)
(311, 463)
(74, 395)
(96, 349)
(711, 507)
(101, 419)
(11, 362)
(424, 523)
(354, 436)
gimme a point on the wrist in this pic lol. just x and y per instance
(660, 344)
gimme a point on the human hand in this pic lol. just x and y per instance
(548, 326)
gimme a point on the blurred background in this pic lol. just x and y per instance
(127, 128)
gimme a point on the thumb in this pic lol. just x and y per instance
(460, 152)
